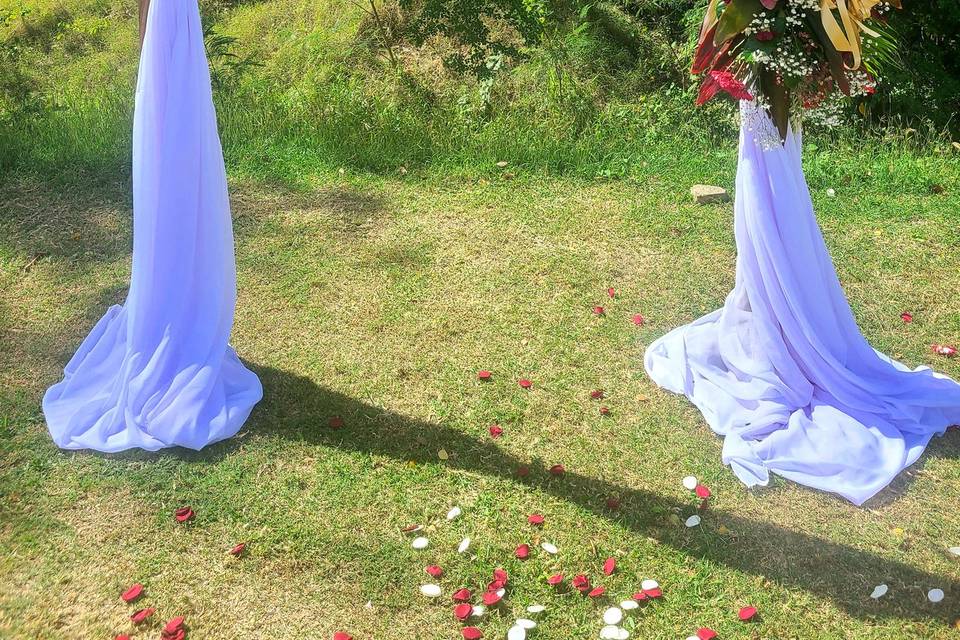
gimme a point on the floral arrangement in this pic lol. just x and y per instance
(812, 49)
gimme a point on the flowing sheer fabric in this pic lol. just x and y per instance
(158, 371)
(782, 370)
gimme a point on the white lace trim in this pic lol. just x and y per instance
(756, 121)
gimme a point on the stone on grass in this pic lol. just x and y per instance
(708, 194)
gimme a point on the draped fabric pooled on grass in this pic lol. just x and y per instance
(782, 370)
(158, 371)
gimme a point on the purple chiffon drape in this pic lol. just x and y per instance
(158, 371)
(782, 370)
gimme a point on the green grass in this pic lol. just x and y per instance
(383, 259)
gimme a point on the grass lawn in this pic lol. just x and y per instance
(378, 299)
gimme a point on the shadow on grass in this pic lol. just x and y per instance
(296, 408)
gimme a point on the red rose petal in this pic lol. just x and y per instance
(613, 504)
(496, 431)
(491, 598)
(179, 634)
(653, 593)
(526, 384)
(173, 625)
(335, 422)
(501, 576)
(599, 311)
(434, 571)
(132, 593)
(463, 611)
(471, 633)
(142, 614)
(484, 374)
(523, 471)
(183, 514)
(238, 550)
(906, 316)
(581, 583)
(609, 566)
(462, 595)
(639, 596)
(596, 395)
(535, 519)
(555, 580)
(746, 613)
(122, 636)
(410, 528)
(944, 350)
(597, 592)
(706, 633)
(611, 292)
(557, 470)
(638, 319)
(342, 635)
(604, 411)
(522, 552)
(702, 491)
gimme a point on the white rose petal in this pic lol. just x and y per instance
(430, 590)
(536, 608)
(693, 521)
(549, 548)
(454, 513)
(478, 611)
(420, 543)
(629, 605)
(516, 633)
(611, 632)
(646, 585)
(464, 545)
(690, 482)
(831, 193)
(622, 634)
(613, 615)
(954, 550)
(526, 623)
(935, 595)
(879, 591)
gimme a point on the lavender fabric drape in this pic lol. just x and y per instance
(782, 370)
(158, 371)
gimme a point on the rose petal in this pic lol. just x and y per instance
(523, 471)
(411, 528)
(463, 611)
(454, 513)
(555, 580)
(954, 550)
(611, 292)
(516, 632)
(653, 593)
(491, 598)
(464, 545)
(549, 548)
(471, 633)
(610, 632)
(173, 625)
(557, 470)
(342, 635)
(335, 422)
(122, 636)
(629, 605)
(597, 592)
(906, 316)
(478, 611)
(706, 633)
(646, 585)
(690, 482)
(132, 593)
(142, 614)
(596, 395)
(935, 595)
(692, 521)
(183, 514)
(496, 431)
(609, 566)
(238, 549)
(434, 571)
(522, 552)
(944, 350)
(501, 575)
(598, 311)
(526, 384)
(639, 596)
(604, 411)
(430, 590)
(613, 504)
(702, 491)
(613, 615)
(581, 583)
(638, 319)
(526, 623)
(179, 634)
(483, 374)
(461, 595)
(535, 519)
(420, 543)
(747, 613)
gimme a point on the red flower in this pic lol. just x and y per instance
(463, 611)
(496, 431)
(183, 514)
(132, 593)
(522, 552)
(769, 4)
(747, 613)
(729, 83)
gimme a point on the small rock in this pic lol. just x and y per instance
(707, 194)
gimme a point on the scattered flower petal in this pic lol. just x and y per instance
(535, 519)
(597, 395)
(411, 528)
(479, 610)
(599, 311)
(549, 548)
(491, 598)
(523, 471)
(122, 636)
(237, 550)
(173, 625)
(132, 593)
(954, 550)
(443, 455)
(500, 575)
(555, 580)
(609, 566)
(879, 591)
(142, 614)
(638, 319)
(611, 292)
(434, 571)
(653, 594)
(692, 521)
(747, 613)
(557, 470)
(342, 635)
(622, 634)
(610, 632)
(702, 491)
(496, 431)
(420, 543)
(335, 422)
(613, 615)
(183, 514)
(613, 504)
(526, 623)
(604, 411)
(522, 552)
(906, 316)
(629, 605)
(690, 482)
(646, 585)
(483, 374)
(536, 608)
(596, 592)
(935, 595)
(430, 590)
(526, 384)
(581, 583)
(463, 611)
(454, 513)
(461, 595)
(944, 350)
(516, 632)
(706, 633)
(471, 633)
(464, 545)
